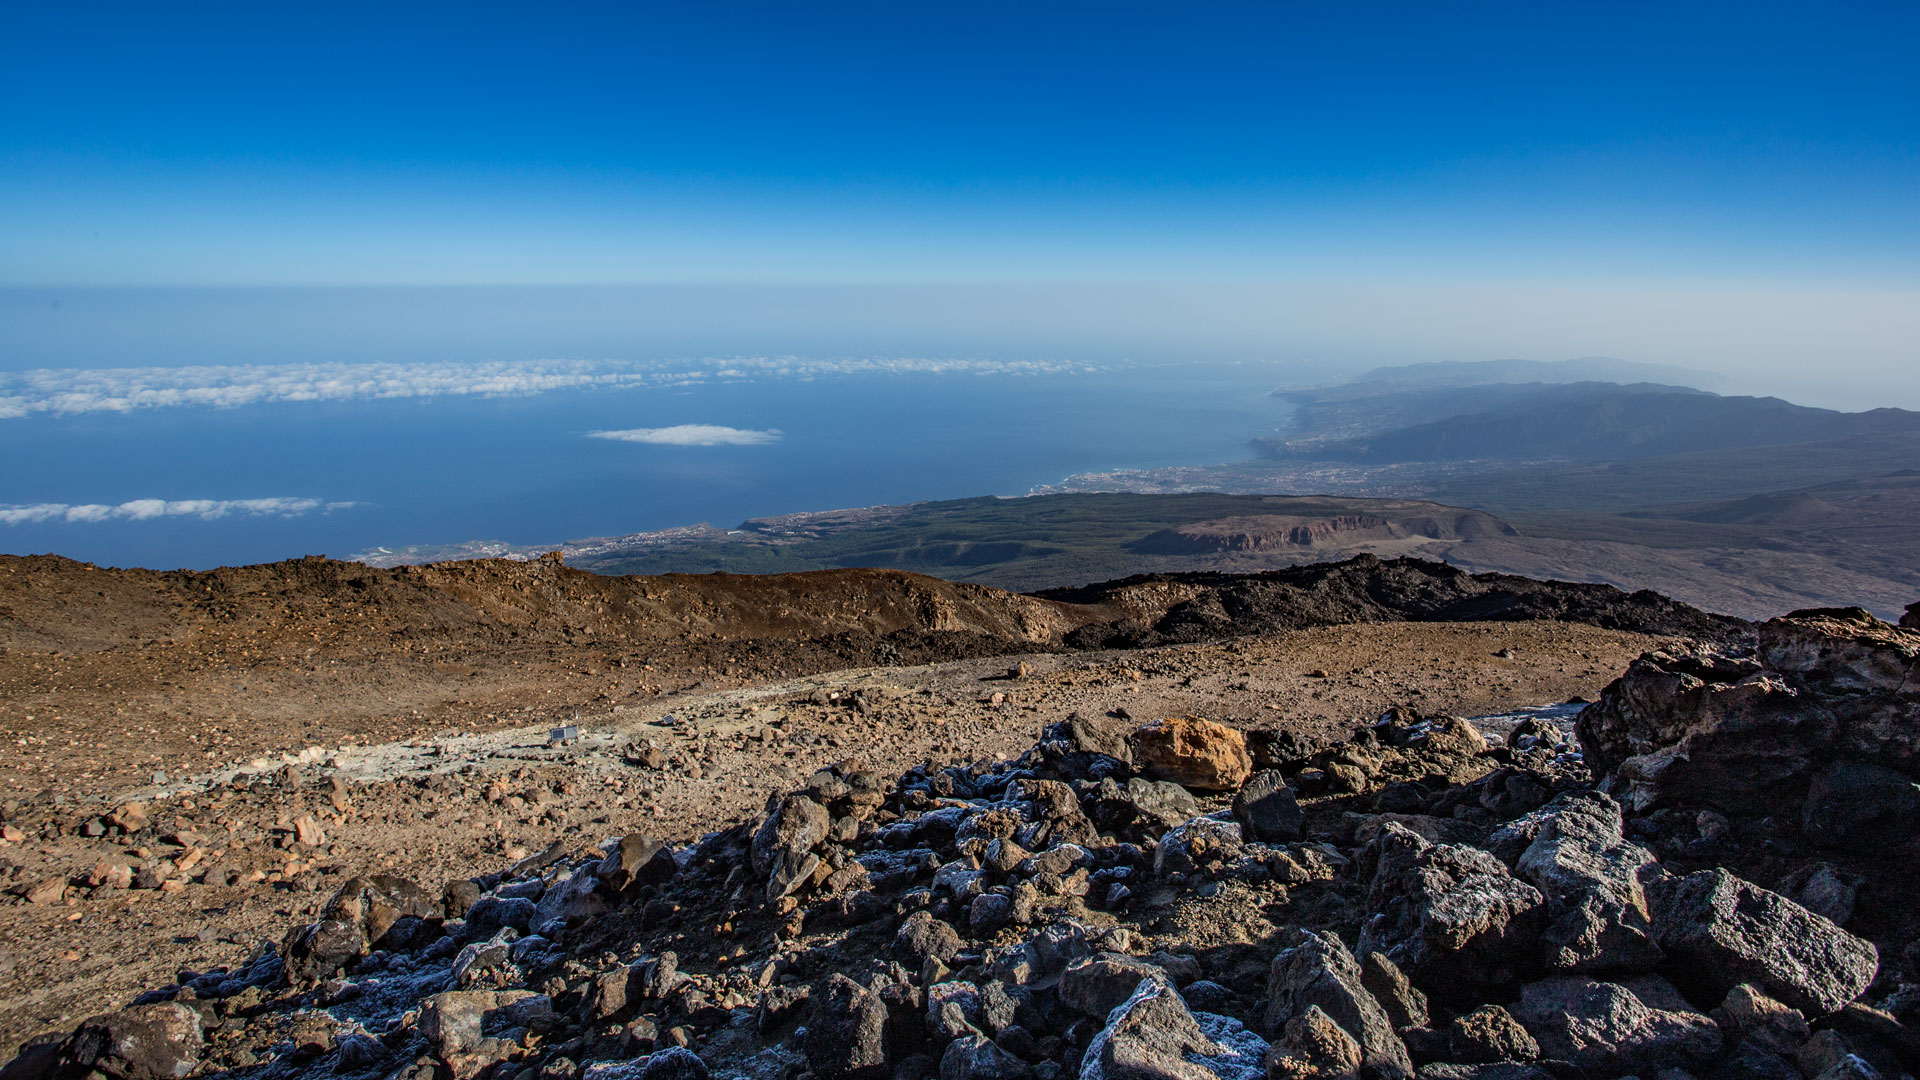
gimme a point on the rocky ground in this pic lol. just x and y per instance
(200, 762)
(451, 804)
(1701, 874)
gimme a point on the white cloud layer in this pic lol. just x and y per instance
(155, 509)
(692, 435)
(64, 392)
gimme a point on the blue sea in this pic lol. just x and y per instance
(166, 486)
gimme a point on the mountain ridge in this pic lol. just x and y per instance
(1595, 422)
(50, 603)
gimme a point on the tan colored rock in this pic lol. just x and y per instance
(306, 830)
(189, 861)
(106, 872)
(129, 817)
(1193, 753)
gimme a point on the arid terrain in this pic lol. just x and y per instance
(1747, 506)
(280, 729)
(1630, 525)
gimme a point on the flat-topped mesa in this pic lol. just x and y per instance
(1282, 531)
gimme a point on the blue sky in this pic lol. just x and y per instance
(420, 144)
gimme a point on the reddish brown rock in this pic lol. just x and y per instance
(1193, 753)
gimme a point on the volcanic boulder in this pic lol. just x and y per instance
(1199, 845)
(1608, 1027)
(847, 1033)
(638, 860)
(1149, 806)
(1405, 1005)
(1720, 931)
(379, 911)
(1593, 880)
(1320, 973)
(1268, 809)
(1844, 650)
(1731, 732)
(783, 845)
(1487, 1035)
(1095, 985)
(922, 937)
(161, 1041)
(1073, 749)
(1312, 1047)
(976, 1057)
(1702, 727)
(1152, 1036)
(1857, 806)
(674, 1063)
(1193, 753)
(1452, 917)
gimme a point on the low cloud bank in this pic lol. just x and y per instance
(692, 435)
(66, 392)
(155, 509)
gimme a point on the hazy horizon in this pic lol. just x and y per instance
(1308, 331)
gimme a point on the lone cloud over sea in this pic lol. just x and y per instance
(691, 435)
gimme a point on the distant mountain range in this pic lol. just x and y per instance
(1458, 373)
(1586, 421)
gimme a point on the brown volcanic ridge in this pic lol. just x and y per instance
(314, 645)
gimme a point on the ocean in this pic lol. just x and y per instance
(167, 487)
